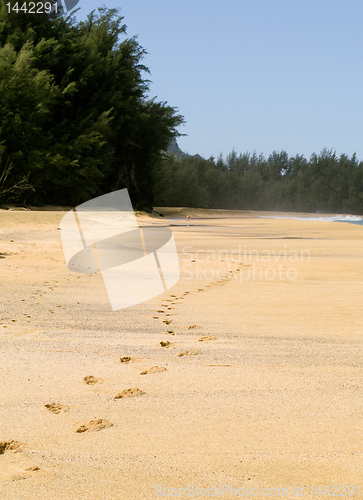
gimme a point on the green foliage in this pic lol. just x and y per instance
(76, 122)
(325, 183)
(74, 113)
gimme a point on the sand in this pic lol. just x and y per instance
(247, 373)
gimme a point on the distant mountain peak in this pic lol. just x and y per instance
(174, 149)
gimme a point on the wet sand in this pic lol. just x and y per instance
(247, 373)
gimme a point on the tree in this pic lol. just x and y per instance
(10, 187)
(75, 115)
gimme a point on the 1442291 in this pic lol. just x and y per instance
(33, 7)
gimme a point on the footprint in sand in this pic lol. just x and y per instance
(167, 321)
(192, 352)
(165, 343)
(95, 425)
(56, 408)
(191, 327)
(33, 468)
(218, 365)
(91, 380)
(160, 311)
(153, 369)
(125, 359)
(11, 445)
(169, 332)
(17, 477)
(207, 337)
(130, 393)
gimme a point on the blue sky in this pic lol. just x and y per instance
(254, 75)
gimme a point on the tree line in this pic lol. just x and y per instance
(76, 120)
(324, 183)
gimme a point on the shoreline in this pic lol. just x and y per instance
(205, 213)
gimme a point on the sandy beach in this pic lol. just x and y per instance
(258, 350)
